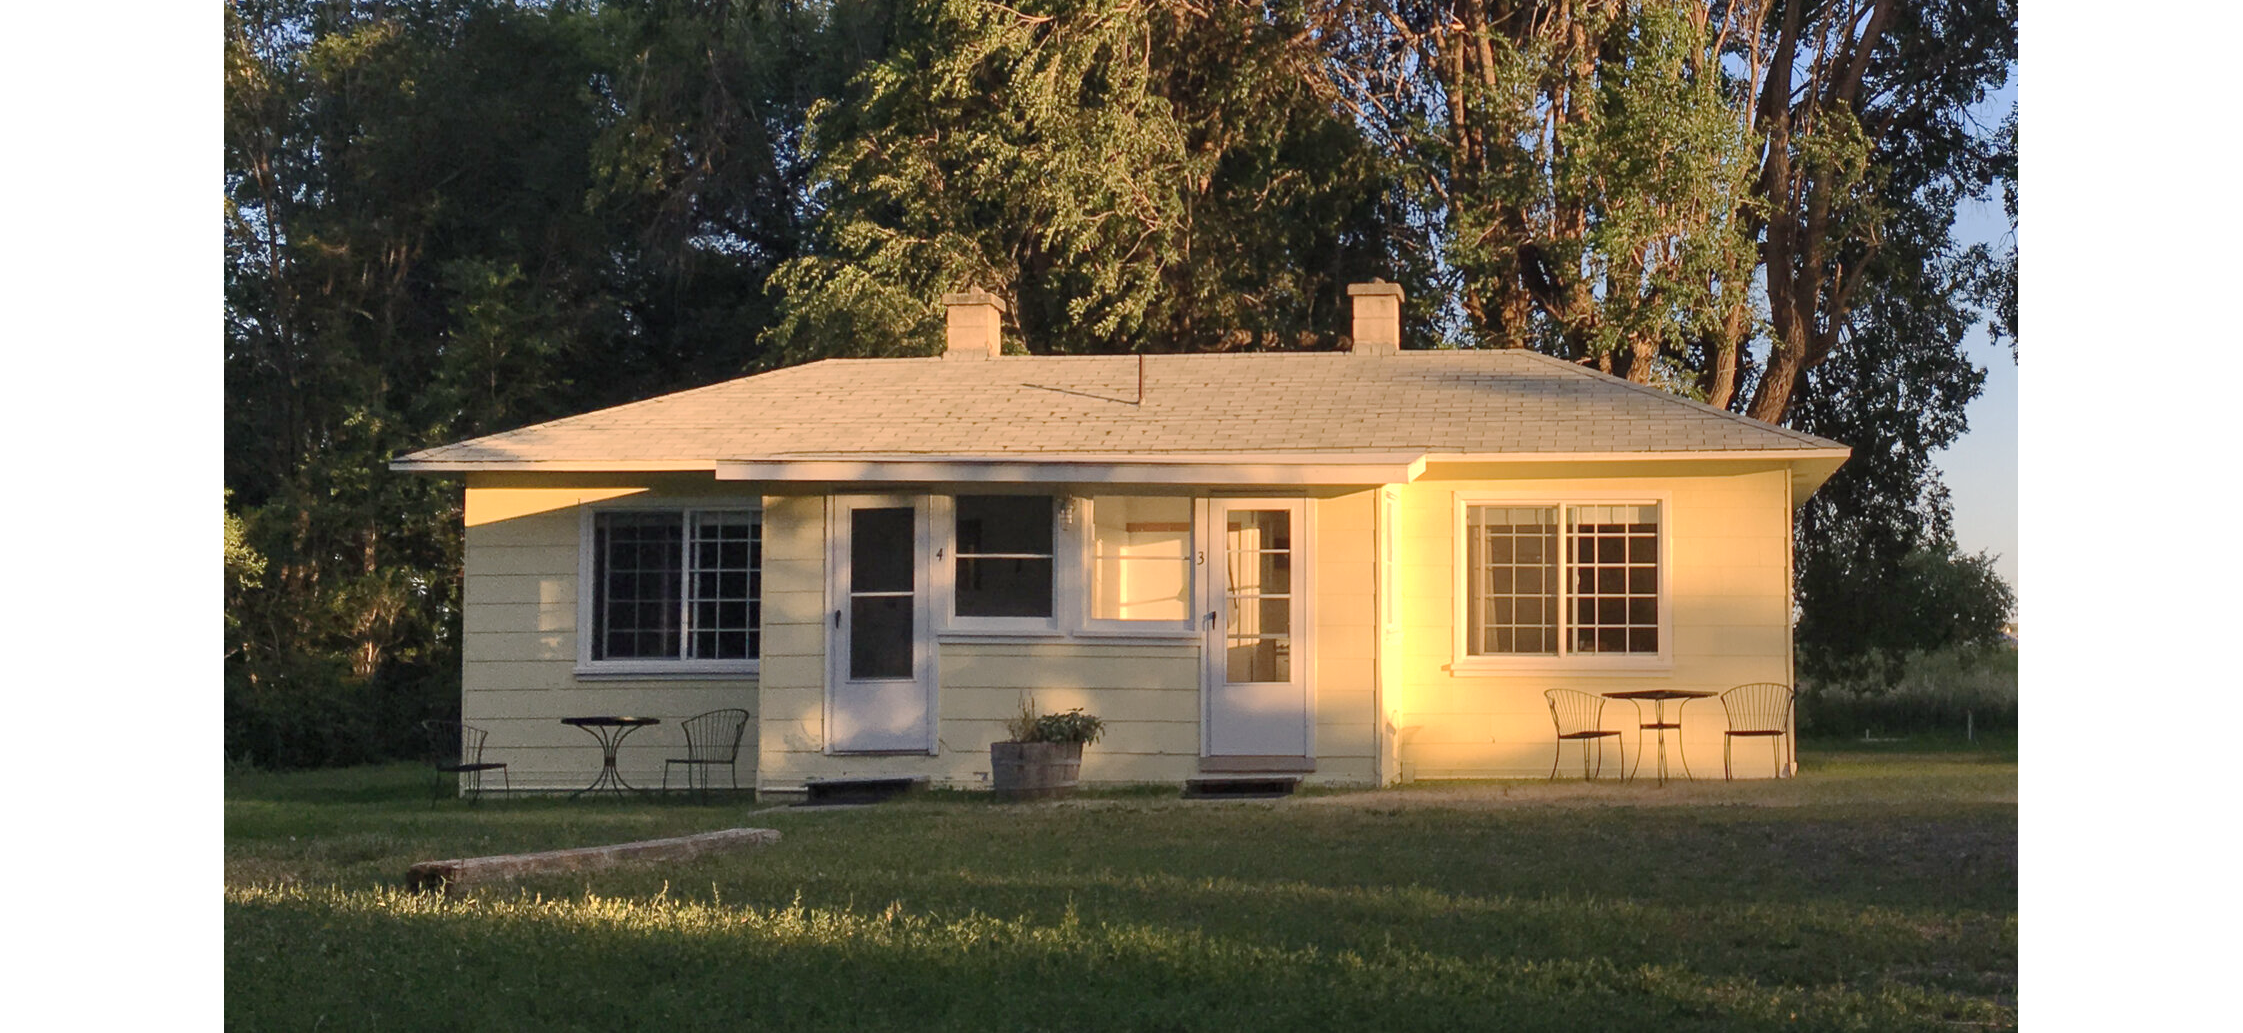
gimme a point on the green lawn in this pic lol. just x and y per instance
(1877, 892)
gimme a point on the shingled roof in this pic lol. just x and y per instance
(1483, 404)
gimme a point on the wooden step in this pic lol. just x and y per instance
(1264, 787)
(862, 788)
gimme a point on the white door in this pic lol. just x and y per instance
(1258, 658)
(880, 695)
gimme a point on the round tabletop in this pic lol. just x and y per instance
(1659, 694)
(611, 721)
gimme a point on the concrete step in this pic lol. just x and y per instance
(861, 789)
(1241, 787)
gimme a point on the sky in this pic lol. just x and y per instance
(1980, 469)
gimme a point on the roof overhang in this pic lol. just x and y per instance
(1086, 468)
(1810, 467)
(408, 464)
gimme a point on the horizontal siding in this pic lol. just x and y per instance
(1728, 601)
(520, 642)
(518, 647)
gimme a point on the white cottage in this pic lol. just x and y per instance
(1358, 567)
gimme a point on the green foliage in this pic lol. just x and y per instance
(1931, 599)
(1592, 177)
(1066, 726)
(453, 218)
(1877, 567)
(1132, 177)
(1950, 690)
(312, 712)
(2001, 278)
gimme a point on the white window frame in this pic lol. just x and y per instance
(1187, 628)
(587, 570)
(1065, 579)
(1464, 662)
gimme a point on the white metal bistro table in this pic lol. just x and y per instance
(1660, 724)
(609, 730)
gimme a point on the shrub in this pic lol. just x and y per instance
(1068, 726)
(1915, 692)
(311, 712)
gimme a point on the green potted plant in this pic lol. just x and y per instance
(1043, 759)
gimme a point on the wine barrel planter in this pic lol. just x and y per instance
(1035, 770)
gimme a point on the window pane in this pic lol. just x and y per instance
(1260, 529)
(1616, 578)
(1141, 558)
(1004, 524)
(880, 636)
(1004, 560)
(1512, 552)
(1004, 587)
(674, 585)
(1258, 660)
(1260, 615)
(880, 550)
(637, 585)
(724, 581)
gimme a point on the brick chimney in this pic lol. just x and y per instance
(1378, 317)
(976, 325)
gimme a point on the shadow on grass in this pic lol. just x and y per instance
(368, 960)
(1879, 895)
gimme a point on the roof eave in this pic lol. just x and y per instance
(409, 464)
(1208, 469)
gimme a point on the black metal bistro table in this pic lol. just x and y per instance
(609, 730)
(1659, 723)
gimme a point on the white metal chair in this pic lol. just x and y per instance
(457, 749)
(711, 739)
(1757, 710)
(1579, 717)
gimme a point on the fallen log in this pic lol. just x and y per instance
(460, 874)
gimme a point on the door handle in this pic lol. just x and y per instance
(1210, 618)
(837, 618)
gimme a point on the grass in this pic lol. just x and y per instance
(1877, 892)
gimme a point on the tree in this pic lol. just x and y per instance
(1864, 105)
(453, 217)
(2004, 276)
(1606, 181)
(1878, 572)
(1579, 174)
(1144, 176)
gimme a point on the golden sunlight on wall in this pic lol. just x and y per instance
(1726, 597)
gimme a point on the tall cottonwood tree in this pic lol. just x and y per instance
(1654, 186)
(1865, 107)
(1580, 171)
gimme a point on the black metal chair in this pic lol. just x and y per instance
(710, 739)
(1579, 717)
(1758, 710)
(457, 749)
